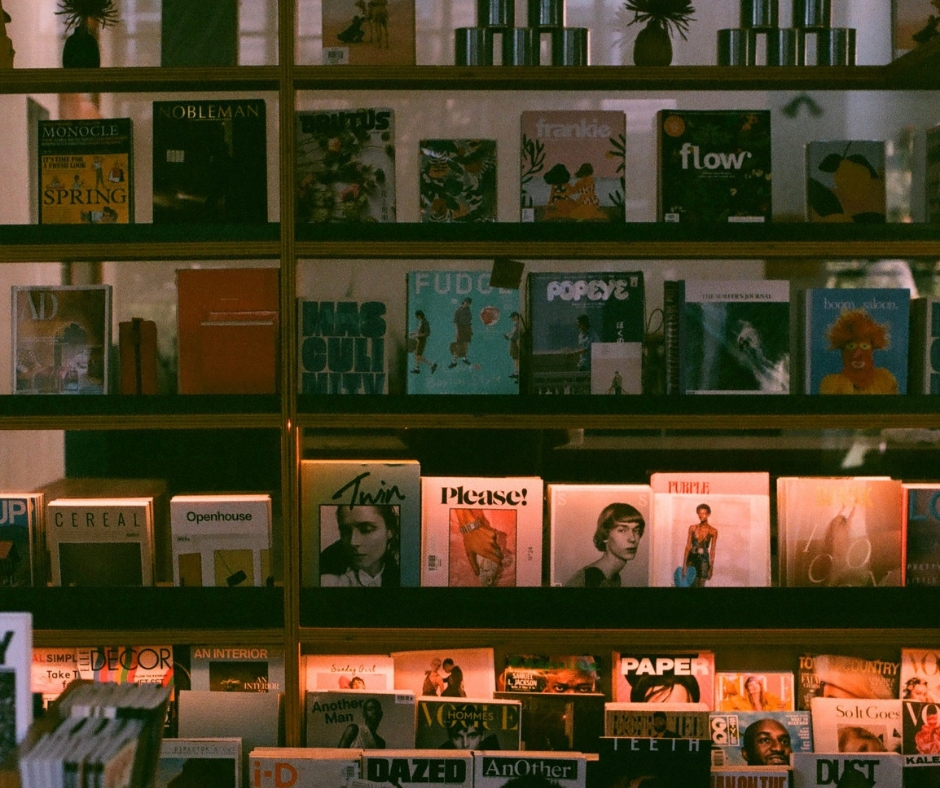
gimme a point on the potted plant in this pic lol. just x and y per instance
(653, 46)
(81, 47)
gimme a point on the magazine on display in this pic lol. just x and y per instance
(657, 721)
(920, 675)
(670, 762)
(457, 180)
(872, 770)
(924, 367)
(569, 722)
(754, 691)
(921, 534)
(20, 514)
(920, 729)
(845, 676)
(16, 638)
(342, 500)
(412, 769)
(360, 719)
(237, 668)
(212, 763)
(368, 32)
(446, 672)
(372, 672)
(711, 529)
(839, 531)
(845, 181)
(310, 767)
(481, 531)
(468, 724)
(665, 677)
(759, 738)
(556, 674)
(556, 770)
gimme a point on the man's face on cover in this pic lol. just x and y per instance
(771, 745)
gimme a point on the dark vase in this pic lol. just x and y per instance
(652, 46)
(81, 50)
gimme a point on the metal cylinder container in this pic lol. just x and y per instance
(836, 47)
(496, 13)
(812, 14)
(546, 13)
(522, 46)
(473, 46)
(759, 14)
(737, 46)
(570, 46)
(785, 47)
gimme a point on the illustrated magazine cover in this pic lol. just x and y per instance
(586, 332)
(210, 162)
(345, 167)
(600, 534)
(481, 531)
(361, 522)
(86, 171)
(368, 32)
(711, 529)
(845, 181)
(457, 180)
(61, 339)
(573, 166)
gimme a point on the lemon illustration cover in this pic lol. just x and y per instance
(714, 166)
(845, 181)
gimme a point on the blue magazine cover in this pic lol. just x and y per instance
(587, 332)
(464, 337)
(856, 340)
(759, 738)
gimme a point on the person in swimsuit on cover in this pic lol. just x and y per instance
(700, 547)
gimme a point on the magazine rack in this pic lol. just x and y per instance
(272, 431)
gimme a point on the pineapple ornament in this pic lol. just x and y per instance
(653, 46)
(81, 47)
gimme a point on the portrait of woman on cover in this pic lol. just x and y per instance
(367, 551)
(619, 529)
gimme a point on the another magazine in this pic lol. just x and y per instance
(714, 166)
(210, 763)
(310, 767)
(237, 668)
(586, 332)
(920, 675)
(464, 335)
(759, 738)
(846, 676)
(856, 725)
(657, 720)
(920, 729)
(568, 721)
(360, 719)
(556, 674)
(412, 769)
(446, 672)
(923, 369)
(210, 162)
(872, 770)
(86, 170)
(372, 672)
(468, 724)
(457, 180)
(845, 181)
(345, 167)
(711, 529)
(481, 532)
(597, 535)
(855, 340)
(345, 501)
(61, 339)
(921, 534)
(675, 763)
(754, 691)
(573, 166)
(664, 677)
(20, 515)
(368, 32)
(839, 531)
(550, 769)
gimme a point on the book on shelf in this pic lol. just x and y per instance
(764, 776)
(16, 654)
(596, 535)
(633, 761)
(198, 35)
(310, 767)
(856, 725)
(664, 677)
(227, 321)
(209, 763)
(446, 672)
(845, 676)
(919, 679)
(344, 169)
(368, 32)
(463, 334)
(759, 690)
(839, 531)
(253, 717)
(920, 534)
(733, 336)
(923, 370)
(585, 332)
(563, 722)
(845, 181)
(481, 531)
(932, 174)
(457, 180)
(411, 769)
(714, 166)
(759, 738)
(872, 770)
(342, 347)
(101, 541)
(855, 340)
(711, 529)
(572, 166)
(529, 767)
(372, 672)
(61, 339)
(468, 723)
(221, 540)
(558, 674)
(210, 161)
(656, 720)
(86, 171)
(360, 523)
(20, 528)
(237, 668)
(912, 25)
(360, 719)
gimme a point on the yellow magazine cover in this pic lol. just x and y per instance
(85, 171)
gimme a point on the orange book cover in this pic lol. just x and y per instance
(228, 330)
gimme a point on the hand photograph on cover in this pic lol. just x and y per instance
(482, 547)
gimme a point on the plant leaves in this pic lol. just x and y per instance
(830, 163)
(821, 199)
